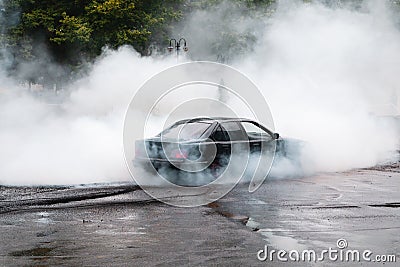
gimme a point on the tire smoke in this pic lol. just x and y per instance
(330, 75)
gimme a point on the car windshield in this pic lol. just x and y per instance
(186, 131)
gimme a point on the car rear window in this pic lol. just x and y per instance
(186, 131)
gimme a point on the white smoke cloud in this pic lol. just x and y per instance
(328, 73)
(324, 71)
(79, 141)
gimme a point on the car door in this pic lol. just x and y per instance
(257, 137)
(222, 142)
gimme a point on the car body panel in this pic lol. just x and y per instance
(177, 154)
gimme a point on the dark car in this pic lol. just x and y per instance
(206, 145)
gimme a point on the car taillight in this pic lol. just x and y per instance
(179, 154)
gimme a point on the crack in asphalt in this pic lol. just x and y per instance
(386, 205)
(338, 207)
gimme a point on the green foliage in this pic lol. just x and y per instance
(72, 32)
(84, 27)
(71, 29)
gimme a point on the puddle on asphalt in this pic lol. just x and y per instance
(129, 217)
(281, 242)
(274, 240)
(113, 233)
(252, 224)
(44, 218)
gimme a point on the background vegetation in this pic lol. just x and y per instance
(70, 33)
(73, 32)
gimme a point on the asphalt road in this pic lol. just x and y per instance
(120, 225)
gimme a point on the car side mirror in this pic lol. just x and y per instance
(275, 136)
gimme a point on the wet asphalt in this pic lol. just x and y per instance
(120, 225)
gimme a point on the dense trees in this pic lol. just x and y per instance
(68, 33)
(69, 27)
(72, 32)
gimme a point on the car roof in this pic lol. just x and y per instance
(212, 119)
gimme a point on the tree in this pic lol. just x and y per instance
(68, 33)
(75, 31)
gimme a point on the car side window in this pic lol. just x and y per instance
(234, 131)
(220, 134)
(255, 132)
